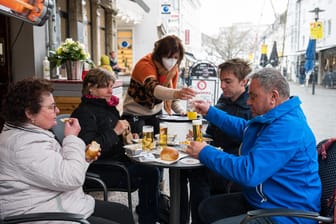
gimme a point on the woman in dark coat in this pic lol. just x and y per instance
(100, 121)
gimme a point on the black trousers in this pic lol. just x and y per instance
(110, 213)
(144, 178)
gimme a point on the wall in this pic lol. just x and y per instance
(29, 49)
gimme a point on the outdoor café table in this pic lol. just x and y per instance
(174, 180)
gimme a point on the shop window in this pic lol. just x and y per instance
(62, 20)
(87, 24)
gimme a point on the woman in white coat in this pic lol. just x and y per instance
(36, 173)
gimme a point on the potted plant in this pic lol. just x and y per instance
(73, 55)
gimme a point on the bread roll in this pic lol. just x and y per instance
(169, 154)
(93, 150)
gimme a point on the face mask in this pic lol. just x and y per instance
(169, 63)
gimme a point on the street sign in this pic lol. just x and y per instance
(316, 30)
(165, 8)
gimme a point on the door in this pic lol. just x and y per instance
(5, 62)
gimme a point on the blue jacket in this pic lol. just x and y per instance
(278, 166)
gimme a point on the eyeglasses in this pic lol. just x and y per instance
(51, 107)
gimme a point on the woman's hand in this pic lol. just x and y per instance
(185, 93)
(72, 127)
(121, 126)
(90, 159)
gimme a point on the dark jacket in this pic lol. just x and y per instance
(97, 120)
(238, 108)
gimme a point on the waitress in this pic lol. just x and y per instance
(153, 85)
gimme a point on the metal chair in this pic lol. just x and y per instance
(45, 216)
(58, 130)
(327, 172)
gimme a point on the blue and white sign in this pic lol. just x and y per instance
(165, 8)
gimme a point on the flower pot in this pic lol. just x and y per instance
(74, 69)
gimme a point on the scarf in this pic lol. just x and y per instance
(114, 101)
(165, 79)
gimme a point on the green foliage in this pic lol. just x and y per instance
(69, 50)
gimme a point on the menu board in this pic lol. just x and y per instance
(204, 69)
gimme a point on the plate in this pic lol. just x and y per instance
(133, 149)
(136, 140)
(190, 161)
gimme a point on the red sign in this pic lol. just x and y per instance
(187, 37)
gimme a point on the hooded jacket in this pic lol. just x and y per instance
(278, 166)
(38, 175)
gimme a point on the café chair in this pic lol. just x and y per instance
(327, 172)
(44, 216)
(90, 186)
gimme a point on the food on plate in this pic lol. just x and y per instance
(93, 150)
(185, 142)
(169, 154)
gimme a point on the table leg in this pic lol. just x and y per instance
(175, 191)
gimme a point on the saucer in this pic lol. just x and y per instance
(189, 161)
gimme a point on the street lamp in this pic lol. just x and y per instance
(316, 11)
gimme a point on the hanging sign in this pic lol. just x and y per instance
(316, 30)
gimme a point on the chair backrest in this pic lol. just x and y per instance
(58, 130)
(327, 172)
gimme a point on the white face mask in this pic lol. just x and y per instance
(169, 63)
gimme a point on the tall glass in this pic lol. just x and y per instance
(163, 137)
(147, 138)
(197, 130)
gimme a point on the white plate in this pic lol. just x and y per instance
(189, 161)
(136, 140)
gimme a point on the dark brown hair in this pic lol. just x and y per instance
(237, 66)
(22, 95)
(97, 77)
(168, 46)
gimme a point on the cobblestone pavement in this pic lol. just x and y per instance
(320, 110)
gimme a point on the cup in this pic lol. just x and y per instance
(197, 130)
(147, 138)
(192, 115)
(163, 137)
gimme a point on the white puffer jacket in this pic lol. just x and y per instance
(38, 175)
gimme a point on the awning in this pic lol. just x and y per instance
(142, 4)
(129, 12)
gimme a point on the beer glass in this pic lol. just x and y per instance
(163, 137)
(147, 138)
(197, 130)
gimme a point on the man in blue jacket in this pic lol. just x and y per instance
(278, 165)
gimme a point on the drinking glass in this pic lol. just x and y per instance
(197, 130)
(147, 138)
(163, 137)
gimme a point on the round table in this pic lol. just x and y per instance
(174, 182)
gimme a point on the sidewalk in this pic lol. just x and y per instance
(320, 109)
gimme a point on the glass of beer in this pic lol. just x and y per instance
(147, 138)
(163, 137)
(197, 130)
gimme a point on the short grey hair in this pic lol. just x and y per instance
(270, 79)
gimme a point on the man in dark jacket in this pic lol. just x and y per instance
(232, 74)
